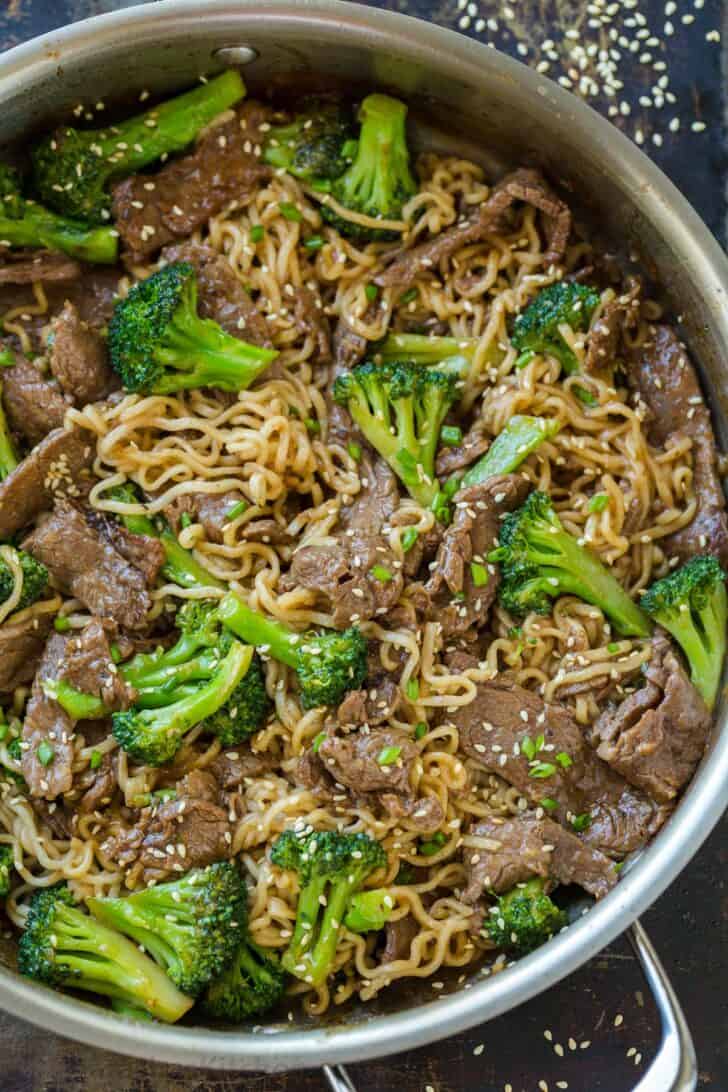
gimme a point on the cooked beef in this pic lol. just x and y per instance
(492, 730)
(456, 601)
(619, 315)
(349, 348)
(220, 294)
(28, 266)
(21, 647)
(78, 359)
(84, 661)
(233, 768)
(517, 849)
(656, 736)
(34, 405)
(85, 564)
(341, 572)
(398, 937)
(152, 210)
(665, 380)
(475, 443)
(57, 467)
(209, 509)
(97, 787)
(312, 322)
(375, 705)
(143, 552)
(57, 816)
(521, 185)
(268, 531)
(190, 831)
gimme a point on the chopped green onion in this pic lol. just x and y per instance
(318, 741)
(96, 759)
(408, 538)
(433, 845)
(236, 510)
(45, 753)
(321, 185)
(371, 292)
(548, 804)
(451, 435)
(312, 425)
(408, 296)
(598, 503)
(379, 572)
(542, 770)
(7, 358)
(525, 358)
(289, 212)
(314, 242)
(528, 747)
(612, 648)
(354, 450)
(61, 623)
(564, 760)
(420, 729)
(540, 741)
(4, 729)
(115, 653)
(185, 520)
(451, 486)
(581, 822)
(412, 689)
(257, 233)
(585, 396)
(388, 756)
(479, 574)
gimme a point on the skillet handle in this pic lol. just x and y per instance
(674, 1068)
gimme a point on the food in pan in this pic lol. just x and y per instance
(362, 581)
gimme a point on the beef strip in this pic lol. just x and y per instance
(492, 729)
(25, 266)
(57, 467)
(349, 348)
(312, 322)
(86, 565)
(340, 573)
(456, 601)
(524, 185)
(145, 553)
(152, 210)
(34, 405)
(78, 358)
(475, 443)
(656, 736)
(665, 380)
(84, 661)
(233, 768)
(21, 647)
(526, 846)
(220, 294)
(605, 337)
(190, 831)
(398, 937)
(375, 705)
(268, 531)
(97, 787)
(209, 509)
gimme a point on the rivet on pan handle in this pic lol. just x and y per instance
(674, 1068)
(339, 1080)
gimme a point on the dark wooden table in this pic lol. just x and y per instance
(674, 72)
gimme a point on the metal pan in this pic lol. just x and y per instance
(481, 102)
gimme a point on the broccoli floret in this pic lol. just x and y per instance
(72, 168)
(521, 436)
(153, 730)
(691, 604)
(35, 580)
(541, 561)
(369, 911)
(328, 664)
(331, 867)
(7, 868)
(26, 223)
(251, 984)
(63, 946)
(536, 330)
(400, 408)
(524, 918)
(158, 344)
(191, 926)
(245, 711)
(316, 145)
(379, 180)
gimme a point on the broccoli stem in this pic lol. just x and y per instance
(260, 631)
(8, 457)
(521, 436)
(181, 567)
(199, 353)
(421, 349)
(189, 711)
(39, 227)
(381, 164)
(77, 704)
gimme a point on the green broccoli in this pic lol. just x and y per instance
(400, 408)
(691, 604)
(63, 946)
(541, 561)
(331, 868)
(8, 455)
(379, 181)
(317, 145)
(35, 580)
(423, 349)
(536, 330)
(245, 711)
(524, 918)
(7, 868)
(26, 223)
(521, 436)
(72, 168)
(191, 926)
(369, 911)
(327, 664)
(158, 344)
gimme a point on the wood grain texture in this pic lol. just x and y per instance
(689, 924)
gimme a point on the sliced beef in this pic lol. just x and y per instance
(34, 405)
(29, 266)
(456, 600)
(268, 531)
(152, 210)
(86, 565)
(190, 831)
(341, 573)
(517, 849)
(78, 359)
(97, 787)
(398, 937)
(475, 443)
(312, 322)
(522, 185)
(493, 730)
(59, 466)
(232, 769)
(88, 667)
(143, 552)
(209, 509)
(605, 338)
(349, 347)
(656, 736)
(664, 378)
(21, 647)
(375, 705)
(220, 294)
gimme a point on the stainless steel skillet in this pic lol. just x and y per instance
(476, 100)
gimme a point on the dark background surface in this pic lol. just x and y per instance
(688, 924)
